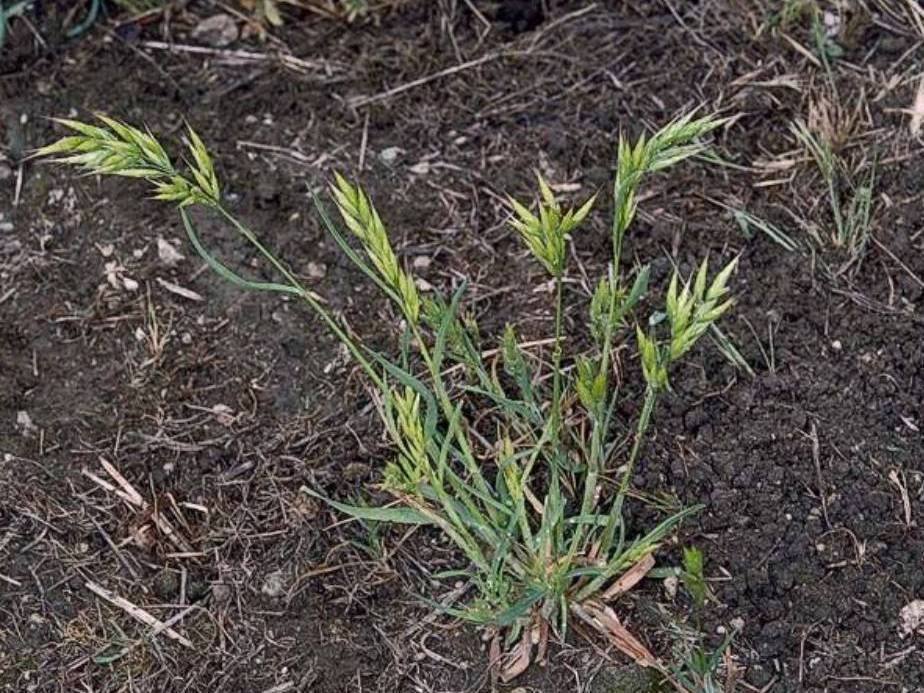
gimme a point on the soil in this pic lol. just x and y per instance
(217, 406)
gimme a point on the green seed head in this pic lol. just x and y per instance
(363, 221)
(118, 149)
(545, 235)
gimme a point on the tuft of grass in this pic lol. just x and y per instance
(851, 217)
(532, 486)
(695, 666)
(701, 669)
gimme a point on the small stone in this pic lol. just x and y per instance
(389, 155)
(221, 593)
(670, 586)
(24, 422)
(422, 262)
(836, 345)
(223, 414)
(168, 253)
(273, 585)
(737, 623)
(306, 506)
(218, 31)
(317, 270)
(911, 618)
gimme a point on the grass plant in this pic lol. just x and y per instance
(534, 494)
(851, 216)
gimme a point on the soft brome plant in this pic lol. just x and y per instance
(542, 523)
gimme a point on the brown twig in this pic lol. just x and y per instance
(138, 613)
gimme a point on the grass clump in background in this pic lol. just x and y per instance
(533, 490)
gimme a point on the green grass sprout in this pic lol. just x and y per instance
(851, 219)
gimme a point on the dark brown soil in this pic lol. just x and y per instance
(218, 410)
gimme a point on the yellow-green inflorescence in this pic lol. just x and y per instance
(119, 149)
(363, 221)
(545, 235)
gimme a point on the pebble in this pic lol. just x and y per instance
(911, 617)
(273, 585)
(218, 30)
(670, 586)
(317, 270)
(168, 253)
(306, 506)
(221, 593)
(389, 155)
(24, 422)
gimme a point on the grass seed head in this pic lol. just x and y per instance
(545, 235)
(118, 149)
(402, 419)
(363, 221)
(696, 308)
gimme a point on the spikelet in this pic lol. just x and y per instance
(118, 149)
(363, 221)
